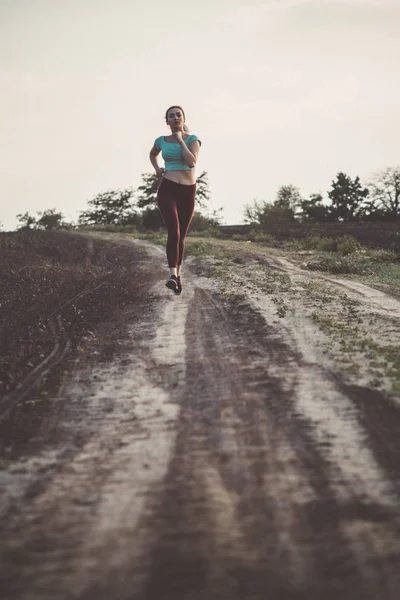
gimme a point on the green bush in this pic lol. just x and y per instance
(198, 248)
(327, 244)
(264, 238)
(344, 245)
(313, 242)
(348, 245)
(384, 256)
(239, 237)
(342, 265)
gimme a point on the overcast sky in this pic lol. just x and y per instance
(280, 92)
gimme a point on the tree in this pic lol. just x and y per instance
(312, 209)
(50, 219)
(147, 191)
(202, 190)
(283, 209)
(113, 207)
(289, 198)
(255, 212)
(210, 220)
(385, 191)
(347, 197)
(265, 213)
(26, 220)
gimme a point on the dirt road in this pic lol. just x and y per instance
(208, 446)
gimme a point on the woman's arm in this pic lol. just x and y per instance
(154, 152)
(189, 154)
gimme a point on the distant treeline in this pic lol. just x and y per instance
(377, 234)
(347, 200)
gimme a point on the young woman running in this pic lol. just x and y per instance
(177, 189)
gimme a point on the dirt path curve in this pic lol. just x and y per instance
(219, 457)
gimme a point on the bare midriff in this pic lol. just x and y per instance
(184, 177)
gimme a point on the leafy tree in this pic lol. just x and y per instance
(312, 209)
(202, 190)
(202, 222)
(265, 213)
(147, 191)
(347, 197)
(50, 219)
(113, 207)
(372, 211)
(385, 192)
(26, 220)
(255, 212)
(283, 209)
(289, 198)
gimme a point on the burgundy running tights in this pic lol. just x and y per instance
(176, 204)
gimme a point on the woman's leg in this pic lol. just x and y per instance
(166, 201)
(185, 210)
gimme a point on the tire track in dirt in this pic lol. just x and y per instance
(59, 350)
(61, 341)
(365, 495)
(219, 460)
(84, 519)
(243, 511)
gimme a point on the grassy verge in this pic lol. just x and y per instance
(338, 256)
(359, 342)
(346, 257)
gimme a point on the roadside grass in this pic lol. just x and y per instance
(388, 274)
(362, 262)
(345, 256)
(349, 342)
(342, 256)
(155, 237)
(340, 317)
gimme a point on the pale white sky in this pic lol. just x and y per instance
(280, 92)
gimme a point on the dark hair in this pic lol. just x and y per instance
(180, 108)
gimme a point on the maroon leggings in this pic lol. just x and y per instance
(176, 204)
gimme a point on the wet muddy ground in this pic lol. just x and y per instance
(208, 446)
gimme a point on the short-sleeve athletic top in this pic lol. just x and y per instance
(172, 153)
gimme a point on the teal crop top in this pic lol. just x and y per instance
(172, 153)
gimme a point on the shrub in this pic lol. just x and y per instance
(341, 265)
(199, 248)
(314, 242)
(348, 245)
(326, 244)
(264, 238)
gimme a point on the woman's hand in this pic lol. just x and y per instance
(178, 135)
(160, 172)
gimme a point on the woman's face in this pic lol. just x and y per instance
(175, 118)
